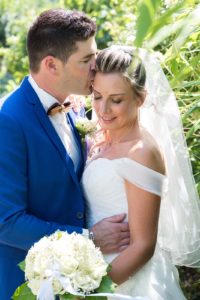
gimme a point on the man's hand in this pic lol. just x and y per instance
(111, 234)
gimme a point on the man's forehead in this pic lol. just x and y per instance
(86, 48)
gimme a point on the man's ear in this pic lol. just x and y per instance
(50, 64)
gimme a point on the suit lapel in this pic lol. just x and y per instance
(49, 129)
(78, 142)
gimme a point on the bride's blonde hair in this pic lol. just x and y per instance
(123, 60)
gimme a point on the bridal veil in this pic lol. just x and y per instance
(179, 226)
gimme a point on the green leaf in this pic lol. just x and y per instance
(95, 298)
(163, 33)
(190, 111)
(106, 286)
(143, 23)
(165, 18)
(191, 23)
(69, 297)
(23, 292)
(193, 129)
(147, 11)
(21, 265)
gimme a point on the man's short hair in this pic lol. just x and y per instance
(55, 32)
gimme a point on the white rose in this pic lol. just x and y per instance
(34, 285)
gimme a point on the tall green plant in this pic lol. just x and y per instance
(174, 32)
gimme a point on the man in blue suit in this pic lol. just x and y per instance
(41, 159)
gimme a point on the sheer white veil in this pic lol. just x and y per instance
(179, 225)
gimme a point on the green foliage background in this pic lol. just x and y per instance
(170, 27)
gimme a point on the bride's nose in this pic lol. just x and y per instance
(104, 108)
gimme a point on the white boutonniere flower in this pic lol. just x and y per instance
(86, 127)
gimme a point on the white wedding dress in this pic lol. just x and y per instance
(104, 189)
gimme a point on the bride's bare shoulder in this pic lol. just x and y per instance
(146, 152)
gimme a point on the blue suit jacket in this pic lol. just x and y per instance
(39, 189)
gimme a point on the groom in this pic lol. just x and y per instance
(41, 160)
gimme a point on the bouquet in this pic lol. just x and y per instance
(66, 265)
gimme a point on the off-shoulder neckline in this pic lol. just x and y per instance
(129, 159)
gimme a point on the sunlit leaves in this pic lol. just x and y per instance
(171, 27)
(23, 293)
(146, 15)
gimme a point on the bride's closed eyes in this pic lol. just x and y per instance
(116, 101)
(97, 96)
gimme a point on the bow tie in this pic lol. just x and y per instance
(57, 108)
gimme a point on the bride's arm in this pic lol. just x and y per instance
(143, 215)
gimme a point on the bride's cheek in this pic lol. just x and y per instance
(94, 105)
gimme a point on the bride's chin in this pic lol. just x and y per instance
(106, 124)
(104, 127)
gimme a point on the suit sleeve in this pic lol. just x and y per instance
(17, 228)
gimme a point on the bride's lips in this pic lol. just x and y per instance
(108, 120)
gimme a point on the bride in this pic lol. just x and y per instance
(135, 167)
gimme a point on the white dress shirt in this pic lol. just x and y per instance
(59, 122)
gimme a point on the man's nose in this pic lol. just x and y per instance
(93, 61)
(92, 66)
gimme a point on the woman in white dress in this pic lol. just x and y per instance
(128, 172)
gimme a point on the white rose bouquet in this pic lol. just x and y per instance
(66, 265)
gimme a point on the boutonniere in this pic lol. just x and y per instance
(86, 127)
(87, 130)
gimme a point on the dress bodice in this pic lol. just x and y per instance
(104, 188)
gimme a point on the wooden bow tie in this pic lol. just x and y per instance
(57, 108)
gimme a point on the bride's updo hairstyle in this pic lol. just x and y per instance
(123, 60)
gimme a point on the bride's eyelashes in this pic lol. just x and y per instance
(97, 97)
(116, 101)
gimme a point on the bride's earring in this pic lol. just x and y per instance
(139, 116)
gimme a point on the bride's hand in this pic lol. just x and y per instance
(111, 234)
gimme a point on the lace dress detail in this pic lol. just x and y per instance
(104, 189)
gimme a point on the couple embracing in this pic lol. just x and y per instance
(130, 195)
